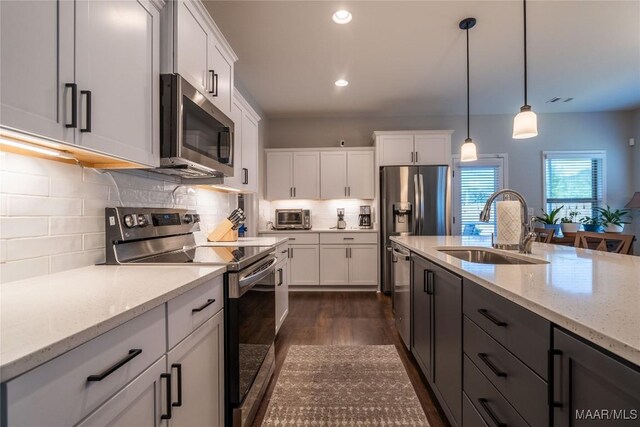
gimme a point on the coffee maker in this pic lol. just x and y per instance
(364, 219)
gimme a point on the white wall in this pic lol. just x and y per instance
(492, 134)
(52, 213)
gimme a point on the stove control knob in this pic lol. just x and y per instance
(130, 221)
(196, 217)
(188, 219)
(142, 221)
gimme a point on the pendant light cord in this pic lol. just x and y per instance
(524, 7)
(468, 121)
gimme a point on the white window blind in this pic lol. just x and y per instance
(474, 182)
(575, 180)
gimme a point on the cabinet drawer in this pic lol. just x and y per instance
(282, 252)
(492, 407)
(302, 238)
(525, 390)
(349, 238)
(59, 392)
(470, 415)
(522, 332)
(192, 309)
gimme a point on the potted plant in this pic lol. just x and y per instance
(568, 224)
(550, 220)
(591, 223)
(612, 219)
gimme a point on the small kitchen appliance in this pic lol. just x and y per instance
(364, 219)
(293, 219)
(342, 224)
(157, 236)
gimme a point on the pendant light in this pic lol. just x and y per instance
(468, 152)
(525, 124)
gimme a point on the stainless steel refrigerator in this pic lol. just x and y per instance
(414, 201)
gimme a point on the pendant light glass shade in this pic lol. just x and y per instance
(525, 124)
(468, 152)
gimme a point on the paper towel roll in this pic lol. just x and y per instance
(508, 222)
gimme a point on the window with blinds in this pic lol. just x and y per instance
(575, 180)
(474, 183)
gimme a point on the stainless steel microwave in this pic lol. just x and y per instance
(196, 138)
(293, 219)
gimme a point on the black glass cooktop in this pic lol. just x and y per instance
(236, 257)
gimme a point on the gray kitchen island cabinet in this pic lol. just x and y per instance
(437, 333)
(591, 387)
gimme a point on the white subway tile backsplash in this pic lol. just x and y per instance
(96, 207)
(69, 261)
(12, 162)
(76, 225)
(11, 228)
(79, 189)
(23, 269)
(41, 246)
(20, 183)
(42, 206)
(93, 241)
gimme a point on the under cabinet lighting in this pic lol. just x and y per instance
(341, 83)
(36, 149)
(342, 16)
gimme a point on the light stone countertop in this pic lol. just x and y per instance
(594, 294)
(45, 316)
(251, 241)
(321, 230)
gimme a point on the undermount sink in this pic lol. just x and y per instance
(483, 256)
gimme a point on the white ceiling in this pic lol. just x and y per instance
(408, 58)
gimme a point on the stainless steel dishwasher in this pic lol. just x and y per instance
(402, 291)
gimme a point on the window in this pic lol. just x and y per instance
(575, 180)
(473, 183)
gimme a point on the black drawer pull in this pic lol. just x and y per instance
(492, 319)
(74, 105)
(178, 367)
(494, 369)
(99, 377)
(202, 307)
(286, 251)
(280, 277)
(87, 127)
(484, 403)
(429, 281)
(347, 238)
(550, 376)
(168, 415)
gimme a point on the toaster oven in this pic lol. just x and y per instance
(293, 219)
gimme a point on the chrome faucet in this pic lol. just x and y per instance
(527, 236)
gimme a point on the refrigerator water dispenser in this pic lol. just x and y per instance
(402, 217)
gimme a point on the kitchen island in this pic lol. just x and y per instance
(527, 340)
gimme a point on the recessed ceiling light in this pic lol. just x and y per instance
(341, 83)
(342, 16)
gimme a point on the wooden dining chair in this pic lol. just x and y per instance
(608, 242)
(544, 235)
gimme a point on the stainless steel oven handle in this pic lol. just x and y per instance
(247, 281)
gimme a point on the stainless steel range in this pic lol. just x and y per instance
(148, 236)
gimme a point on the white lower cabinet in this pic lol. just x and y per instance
(363, 264)
(348, 264)
(141, 403)
(304, 265)
(197, 376)
(282, 292)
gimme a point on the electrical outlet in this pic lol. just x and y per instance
(530, 211)
(632, 142)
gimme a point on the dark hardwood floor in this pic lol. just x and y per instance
(346, 318)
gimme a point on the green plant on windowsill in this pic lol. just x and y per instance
(612, 220)
(569, 223)
(591, 223)
(550, 218)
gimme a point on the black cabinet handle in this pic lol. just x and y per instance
(74, 105)
(87, 127)
(245, 179)
(286, 251)
(214, 83)
(494, 369)
(128, 358)
(484, 403)
(168, 415)
(178, 367)
(428, 282)
(347, 238)
(550, 378)
(491, 318)
(280, 277)
(202, 307)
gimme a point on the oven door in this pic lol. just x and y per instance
(250, 326)
(194, 131)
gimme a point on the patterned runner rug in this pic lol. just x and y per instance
(360, 386)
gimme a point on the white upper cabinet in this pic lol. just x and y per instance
(245, 167)
(84, 72)
(117, 71)
(347, 174)
(413, 147)
(37, 54)
(194, 47)
(293, 175)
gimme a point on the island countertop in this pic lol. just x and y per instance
(594, 294)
